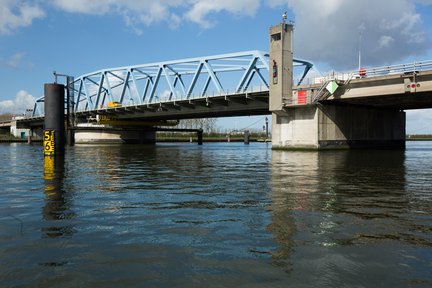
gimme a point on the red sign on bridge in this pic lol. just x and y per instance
(301, 97)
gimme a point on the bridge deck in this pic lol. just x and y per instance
(407, 86)
(218, 106)
(388, 91)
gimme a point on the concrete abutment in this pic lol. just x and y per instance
(114, 136)
(320, 127)
(316, 125)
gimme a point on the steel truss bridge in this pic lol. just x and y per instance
(221, 85)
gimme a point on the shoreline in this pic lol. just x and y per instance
(178, 140)
(157, 141)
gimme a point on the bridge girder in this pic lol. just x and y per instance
(178, 80)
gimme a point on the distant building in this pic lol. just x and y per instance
(18, 132)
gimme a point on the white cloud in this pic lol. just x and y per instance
(424, 2)
(385, 41)
(6, 106)
(85, 6)
(202, 8)
(23, 100)
(419, 121)
(144, 12)
(15, 60)
(328, 31)
(17, 14)
(172, 12)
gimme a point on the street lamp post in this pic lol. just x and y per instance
(359, 50)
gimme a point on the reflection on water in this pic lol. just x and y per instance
(348, 213)
(217, 215)
(57, 199)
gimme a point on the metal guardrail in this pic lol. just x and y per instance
(408, 68)
(397, 69)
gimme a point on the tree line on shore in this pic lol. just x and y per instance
(5, 117)
(419, 136)
(210, 130)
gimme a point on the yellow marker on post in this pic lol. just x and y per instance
(49, 170)
(49, 142)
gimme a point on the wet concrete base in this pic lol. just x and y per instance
(115, 136)
(318, 127)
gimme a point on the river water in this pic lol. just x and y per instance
(217, 215)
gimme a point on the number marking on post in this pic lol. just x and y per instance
(49, 142)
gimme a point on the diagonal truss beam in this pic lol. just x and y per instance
(200, 76)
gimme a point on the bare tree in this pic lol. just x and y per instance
(5, 117)
(208, 125)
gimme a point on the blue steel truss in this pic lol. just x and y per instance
(170, 81)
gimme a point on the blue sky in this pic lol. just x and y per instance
(81, 36)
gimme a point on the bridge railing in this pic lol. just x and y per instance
(408, 68)
(413, 67)
(344, 78)
(186, 79)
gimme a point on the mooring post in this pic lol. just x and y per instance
(266, 128)
(70, 121)
(200, 136)
(54, 125)
(246, 137)
(29, 136)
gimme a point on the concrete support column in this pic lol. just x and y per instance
(70, 136)
(246, 137)
(334, 126)
(200, 137)
(29, 136)
(114, 136)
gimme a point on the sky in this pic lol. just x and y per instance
(81, 36)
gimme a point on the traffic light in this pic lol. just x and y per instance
(275, 72)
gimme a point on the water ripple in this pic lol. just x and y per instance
(219, 215)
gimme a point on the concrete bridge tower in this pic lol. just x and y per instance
(316, 125)
(281, 66)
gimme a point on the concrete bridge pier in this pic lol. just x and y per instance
(112, 135)
(337, 127)
(322, 126)
(29, 136)
(200, 136)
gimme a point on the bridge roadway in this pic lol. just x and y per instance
(245, 104)
(401, 87)
(389, 92)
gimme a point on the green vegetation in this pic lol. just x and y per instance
(419, 137)
(211, 133)
(207, 137)
(6, 136)
(5, 117)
